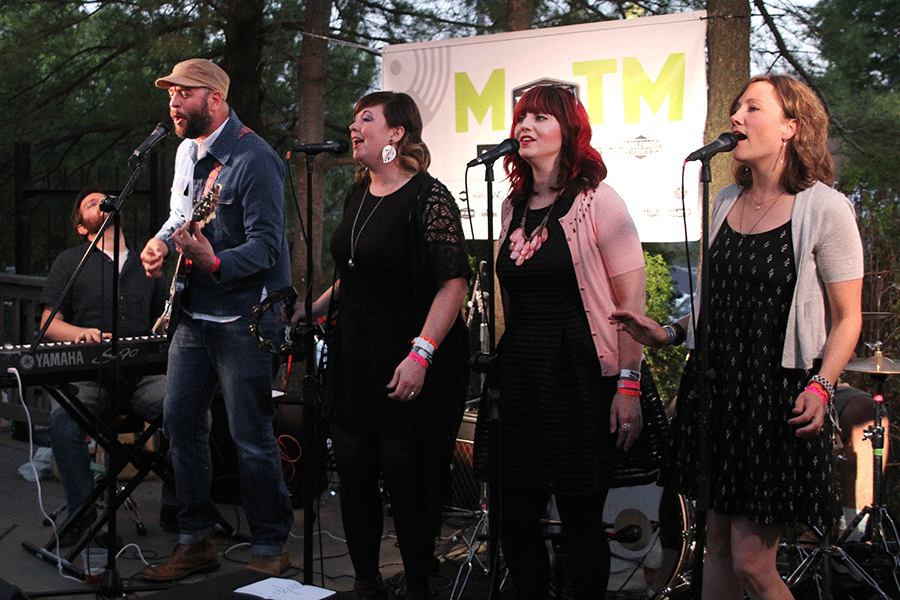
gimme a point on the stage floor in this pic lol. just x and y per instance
(21, 520)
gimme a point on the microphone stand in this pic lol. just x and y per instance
(310, 389)
(112, 585)
(701, 343)
(489, 395)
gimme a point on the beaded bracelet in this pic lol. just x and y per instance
(826, 385)
(419, 359)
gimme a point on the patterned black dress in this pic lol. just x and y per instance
(759, 468)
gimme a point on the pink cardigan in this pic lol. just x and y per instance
(604, 243)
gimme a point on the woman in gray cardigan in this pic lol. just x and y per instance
(785, 283)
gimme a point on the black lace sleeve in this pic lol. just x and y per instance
(443, 233)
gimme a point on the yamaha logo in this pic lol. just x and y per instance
(26, 361)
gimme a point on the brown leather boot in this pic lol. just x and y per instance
(274, 564)
(202, 557)
(370, 589)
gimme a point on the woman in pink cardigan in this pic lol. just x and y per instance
(569, 382)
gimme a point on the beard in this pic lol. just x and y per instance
(196, 123)
(92, 224)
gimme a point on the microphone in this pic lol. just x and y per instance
(333, 146)
(505, 147)
(628, 534)
(724, 143)
(161, 131)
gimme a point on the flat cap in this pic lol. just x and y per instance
(197, 72)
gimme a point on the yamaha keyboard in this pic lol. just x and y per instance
(60, 362)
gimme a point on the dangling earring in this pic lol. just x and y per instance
(783, 150)
(388, 153)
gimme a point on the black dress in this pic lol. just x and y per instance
(403, 246)
(554, 404)
(759, 468)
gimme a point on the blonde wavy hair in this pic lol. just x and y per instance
(806, 155)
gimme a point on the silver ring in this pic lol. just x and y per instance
(411, 394)
(626, 427)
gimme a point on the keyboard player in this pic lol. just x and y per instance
(85, 315)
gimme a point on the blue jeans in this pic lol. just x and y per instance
(142, 396)
(202, 357)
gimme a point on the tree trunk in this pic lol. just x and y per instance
(521, 14)
(728, 51)
(312, 75)
(244, 39)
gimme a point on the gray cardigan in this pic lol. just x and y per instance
(827, 249)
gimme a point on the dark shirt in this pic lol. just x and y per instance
(89, 302)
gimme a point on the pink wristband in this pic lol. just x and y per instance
(821, 394)
(419, 359)
(629, 383)
(215, 265)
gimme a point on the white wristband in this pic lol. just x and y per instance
(629, 374)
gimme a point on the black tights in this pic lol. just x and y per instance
(361, 461)
(585, 543)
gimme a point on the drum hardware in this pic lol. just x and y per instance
(632, 529)
(881, 527)
(878, 364)
(663, 552)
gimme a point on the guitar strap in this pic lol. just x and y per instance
(214, 174)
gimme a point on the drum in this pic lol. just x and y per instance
(656, 564)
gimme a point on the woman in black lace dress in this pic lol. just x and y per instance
(569, 383)
(785, 285)
(397, 375)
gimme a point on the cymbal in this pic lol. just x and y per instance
(874, 364)
(871, 316)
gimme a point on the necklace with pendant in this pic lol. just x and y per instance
(760, 204)
(354, 241)
(771, 202)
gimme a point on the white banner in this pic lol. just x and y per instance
(643, 82)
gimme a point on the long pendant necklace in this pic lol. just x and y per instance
(540, 228)
(354, 241)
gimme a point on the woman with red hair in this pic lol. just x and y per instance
(569, 382)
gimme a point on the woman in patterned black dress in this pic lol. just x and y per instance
(569, 255)
(397, 374)
(784, 315)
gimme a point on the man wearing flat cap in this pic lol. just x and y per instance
(237, 258)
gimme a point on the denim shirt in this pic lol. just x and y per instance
(248, 231)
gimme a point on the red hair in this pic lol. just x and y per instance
(580, 167)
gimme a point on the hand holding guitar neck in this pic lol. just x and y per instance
(204, 210)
